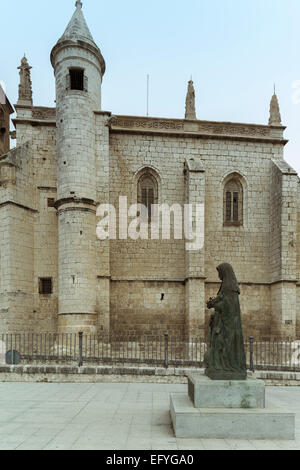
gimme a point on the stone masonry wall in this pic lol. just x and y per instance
(138, 307)
(246, 247)
(255, 304)
(46, 228)
(156, 264)
(17, 252)
(30, 249)
(144, 285)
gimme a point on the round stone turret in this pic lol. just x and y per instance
(78, 67)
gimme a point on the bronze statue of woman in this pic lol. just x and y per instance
(225, 358)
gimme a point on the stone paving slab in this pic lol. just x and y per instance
(113, 416)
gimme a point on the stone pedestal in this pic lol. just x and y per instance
(228, 410)
(207, 393)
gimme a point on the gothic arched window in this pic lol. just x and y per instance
(233, 203)
(147, 193)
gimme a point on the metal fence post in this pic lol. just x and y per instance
(80, 359)
(166, 350)
(251, 340)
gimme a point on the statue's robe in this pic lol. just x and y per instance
(225, 359)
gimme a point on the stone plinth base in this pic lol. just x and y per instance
(207, 393)
(228, 410)
(216, 423)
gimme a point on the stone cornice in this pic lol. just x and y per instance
(250, 283)
(40, 116)
(23, 106)
(197, 278)
(34, 122)
(280, 281)
(16, 204)
(157, 279)
(47, 188)
(173, 127)
(192, 278)
(142, 279)
(74, 200)
(204, 129)
(102, 113)
(78, 313)
(43, 116)
(67, 43)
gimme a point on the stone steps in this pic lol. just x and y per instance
(212, 421)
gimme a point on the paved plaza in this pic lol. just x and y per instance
(112, 416)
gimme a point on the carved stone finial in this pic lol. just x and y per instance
(25, 86)
(190, 109)
(275, 117)
(78, 4)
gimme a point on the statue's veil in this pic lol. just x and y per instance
(229, 280)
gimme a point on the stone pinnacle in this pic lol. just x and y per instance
(275, 116)
(190, 109)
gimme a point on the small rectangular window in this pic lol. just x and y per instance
(51, 202)
(45, 286)
(77, 79)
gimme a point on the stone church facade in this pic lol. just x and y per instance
(58, 276)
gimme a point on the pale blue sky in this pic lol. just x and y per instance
(235, 50)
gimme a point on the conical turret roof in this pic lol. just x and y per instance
(78, 32)
(78, 28)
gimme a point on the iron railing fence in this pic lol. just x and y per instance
(162, 350)
(273, 355)
(101, 349)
